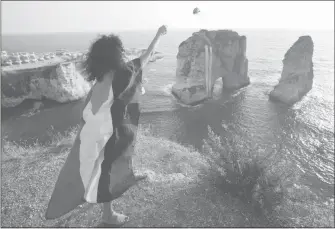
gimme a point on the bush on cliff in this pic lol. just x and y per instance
(268, 182)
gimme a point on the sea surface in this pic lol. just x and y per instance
(305, 130)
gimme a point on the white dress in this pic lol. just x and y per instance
(97, 130)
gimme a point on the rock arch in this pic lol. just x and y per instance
(229, 62)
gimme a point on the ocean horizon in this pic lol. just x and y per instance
(13, 41)
(173, 30)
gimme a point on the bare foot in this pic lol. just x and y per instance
(116, 219)
(139, 177)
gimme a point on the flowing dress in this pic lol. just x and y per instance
(99, 166)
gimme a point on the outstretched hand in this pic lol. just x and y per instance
(145, 57)
(162, 30)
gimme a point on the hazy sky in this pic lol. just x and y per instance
(86, 16)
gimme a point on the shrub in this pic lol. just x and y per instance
(268, 181)
(246, 175)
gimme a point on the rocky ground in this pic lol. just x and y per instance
(179, 191)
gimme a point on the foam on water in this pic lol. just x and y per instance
(167, 89)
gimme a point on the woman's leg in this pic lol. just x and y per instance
(111, 217)
(138, 175)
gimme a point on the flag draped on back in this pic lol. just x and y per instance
(114, 165)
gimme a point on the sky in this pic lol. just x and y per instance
(96, 16)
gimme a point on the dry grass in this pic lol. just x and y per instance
(268, 182)
(176, 193)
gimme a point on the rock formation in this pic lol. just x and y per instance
(60, 80)
(297, 75)
(229, 63)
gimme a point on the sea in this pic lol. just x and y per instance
(305, 130)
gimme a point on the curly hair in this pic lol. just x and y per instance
(105, 54)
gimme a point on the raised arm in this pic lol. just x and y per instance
(146, 56)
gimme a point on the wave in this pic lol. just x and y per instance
(167, 89)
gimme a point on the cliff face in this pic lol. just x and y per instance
(229, 62)
(61, 82)
(297, 74)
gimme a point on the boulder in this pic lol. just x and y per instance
(297, 75)
(229, 62)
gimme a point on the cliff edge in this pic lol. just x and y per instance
(60, 81)
(297, 75)
(229, 62)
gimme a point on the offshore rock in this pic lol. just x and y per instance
(229, 63)
(297, 76)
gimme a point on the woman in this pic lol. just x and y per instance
(99, 167)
